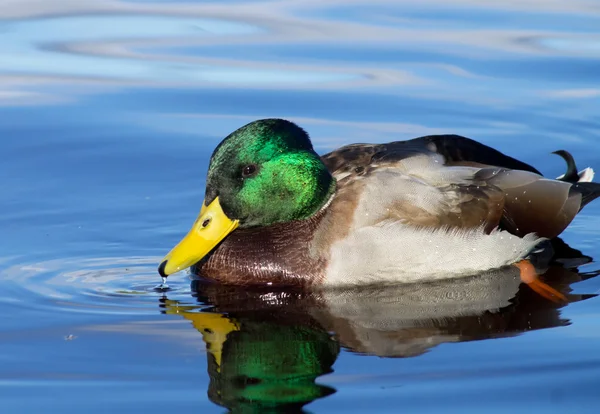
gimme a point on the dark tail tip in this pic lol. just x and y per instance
(589, 192)
(571, 176)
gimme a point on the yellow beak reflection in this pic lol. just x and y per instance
(211, 226)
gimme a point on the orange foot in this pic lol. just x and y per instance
(532, 279)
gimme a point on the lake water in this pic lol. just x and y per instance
(109, 111)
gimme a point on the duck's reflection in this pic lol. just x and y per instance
(260, 358)
(266, 348)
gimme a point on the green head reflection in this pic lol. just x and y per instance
(266, 367)
(259, 366)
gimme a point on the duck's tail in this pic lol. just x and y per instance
(589, 192)
(572, 175)
(582, 180)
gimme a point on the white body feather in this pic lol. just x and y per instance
(395, 252)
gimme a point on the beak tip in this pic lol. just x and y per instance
(161, 269)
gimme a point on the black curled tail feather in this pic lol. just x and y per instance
(571, 176)
(589, 192)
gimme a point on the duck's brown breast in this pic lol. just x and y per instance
(279, 255)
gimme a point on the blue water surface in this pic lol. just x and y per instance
(109, 111)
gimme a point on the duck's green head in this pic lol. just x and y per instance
(264, 173)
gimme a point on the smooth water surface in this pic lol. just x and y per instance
(109, 111)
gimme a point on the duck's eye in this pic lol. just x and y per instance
(249, 170)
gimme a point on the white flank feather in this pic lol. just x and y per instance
(396, 252)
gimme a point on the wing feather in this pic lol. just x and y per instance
(453, 181)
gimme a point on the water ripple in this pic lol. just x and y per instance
(461, 52)
(110, 285)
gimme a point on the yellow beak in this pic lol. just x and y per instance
(211, 226)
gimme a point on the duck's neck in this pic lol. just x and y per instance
(328, 197)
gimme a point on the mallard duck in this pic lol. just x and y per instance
(434, 207)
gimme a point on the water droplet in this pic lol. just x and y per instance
(163, 285)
